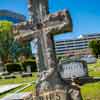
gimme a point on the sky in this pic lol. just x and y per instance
(85, 14)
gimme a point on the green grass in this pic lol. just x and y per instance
(30, 89)
(97, 64)
(89, 91)
(18, 80)
(94, 69)
(92, 91)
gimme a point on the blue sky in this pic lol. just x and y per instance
(85, 14)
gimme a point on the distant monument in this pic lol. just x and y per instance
(1, 66)
(56, 81)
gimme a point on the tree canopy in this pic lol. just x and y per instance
(9, 48)
(95, 46)
(6, 39)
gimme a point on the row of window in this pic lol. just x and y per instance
(77, 41)
(70, 43)
(65, 50)
(72, 46)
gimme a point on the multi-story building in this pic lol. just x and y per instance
(11, 16)
(72, 47)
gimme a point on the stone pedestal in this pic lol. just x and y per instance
(54, 85)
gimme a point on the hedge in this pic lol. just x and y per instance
(13, 67)
(20, 67)
(31, 63)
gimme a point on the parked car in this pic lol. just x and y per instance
(89, 59)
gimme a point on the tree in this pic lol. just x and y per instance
(95, 46)
(23, 50)
(6, 40)
(9, 48)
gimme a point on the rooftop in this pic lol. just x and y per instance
(11, 16)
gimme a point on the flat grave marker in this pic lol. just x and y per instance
(73, 69)
(18, 96)
(6, 88)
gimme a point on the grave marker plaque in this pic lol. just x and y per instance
(73, 69)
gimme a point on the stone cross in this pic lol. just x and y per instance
(44, 26)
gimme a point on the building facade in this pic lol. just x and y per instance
(79, 46)
(11, 16)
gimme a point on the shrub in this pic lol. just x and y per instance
(31, 63)
(13, 67)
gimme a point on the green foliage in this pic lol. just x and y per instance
(23, 49)
(95, 46)
(94, 69)
(13, 67)
(91, 91)
(22, 66)
(5, 26)
(9, 48)
(31, 63)
(6, 39)
(19, 80)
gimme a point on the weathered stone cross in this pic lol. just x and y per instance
(43, 27)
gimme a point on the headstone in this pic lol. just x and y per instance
(6, 88)
(9, 76)
(73, 69)
(90, 59)
(25, 74)
(28, 68)
(18, 96)
(1, 66)
(4, 73)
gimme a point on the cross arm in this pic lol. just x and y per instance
(58, 23)
(25, 31)
(26, 35)
(52, 24)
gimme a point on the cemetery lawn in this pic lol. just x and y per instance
(89, 91)
(92, 91)
(19, 80)
(94, 69)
